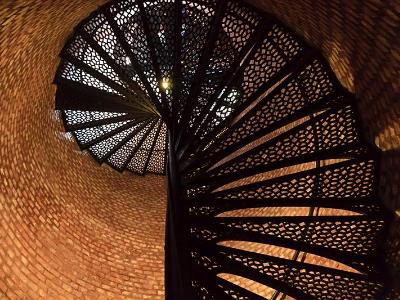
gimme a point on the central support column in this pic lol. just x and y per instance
(177, 262)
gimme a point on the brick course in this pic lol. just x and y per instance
(70, 229)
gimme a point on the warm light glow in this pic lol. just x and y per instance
(166, 83)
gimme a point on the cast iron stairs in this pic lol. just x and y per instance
(271, 181)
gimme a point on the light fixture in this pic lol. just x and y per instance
(166, 83)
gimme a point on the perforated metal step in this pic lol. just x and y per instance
(272, 185)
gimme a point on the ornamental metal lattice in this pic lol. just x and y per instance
(272, 186)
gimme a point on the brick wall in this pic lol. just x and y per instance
(69, 228)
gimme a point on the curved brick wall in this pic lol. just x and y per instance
(69, 228)
(72, 229)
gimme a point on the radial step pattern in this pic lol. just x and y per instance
(272, 185)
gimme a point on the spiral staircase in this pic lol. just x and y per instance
(272, 188)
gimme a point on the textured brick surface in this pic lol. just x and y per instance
(69, 228)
